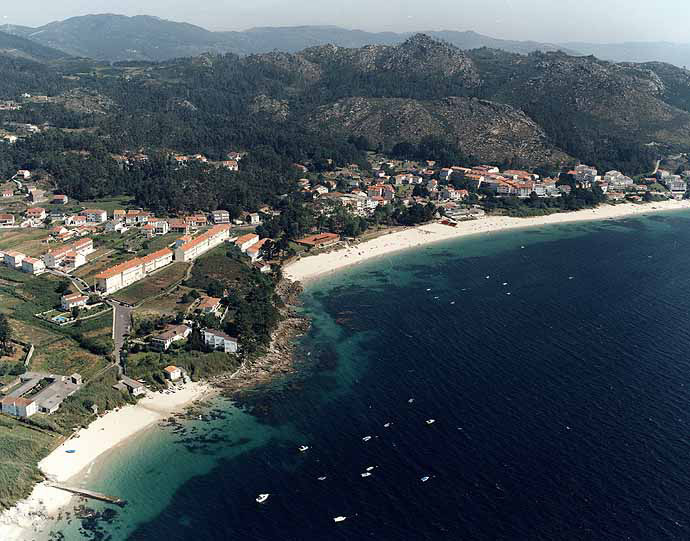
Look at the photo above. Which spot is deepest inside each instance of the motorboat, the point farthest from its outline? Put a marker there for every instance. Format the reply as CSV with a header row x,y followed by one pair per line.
x,y
262,498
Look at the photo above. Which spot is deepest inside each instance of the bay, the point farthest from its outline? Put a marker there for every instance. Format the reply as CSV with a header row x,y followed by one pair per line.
x,y
553,361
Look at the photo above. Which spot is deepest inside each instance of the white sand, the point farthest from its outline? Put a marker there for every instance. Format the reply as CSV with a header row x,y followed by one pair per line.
x,y
310,267
103,434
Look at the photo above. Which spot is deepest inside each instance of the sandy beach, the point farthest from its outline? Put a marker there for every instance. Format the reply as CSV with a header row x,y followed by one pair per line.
x,y
104,434
311,267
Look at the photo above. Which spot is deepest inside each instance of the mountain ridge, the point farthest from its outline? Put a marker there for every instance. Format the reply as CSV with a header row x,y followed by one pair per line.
x,y
125,36
146,37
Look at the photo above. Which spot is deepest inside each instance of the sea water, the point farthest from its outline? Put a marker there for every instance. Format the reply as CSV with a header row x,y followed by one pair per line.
x,y
554,362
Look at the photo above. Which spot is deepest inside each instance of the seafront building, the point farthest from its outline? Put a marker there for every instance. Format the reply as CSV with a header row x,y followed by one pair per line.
x,y
38,392
173,333
220,341
247,241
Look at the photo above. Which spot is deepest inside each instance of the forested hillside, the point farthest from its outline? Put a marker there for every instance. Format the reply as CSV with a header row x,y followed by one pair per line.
x,y
330,103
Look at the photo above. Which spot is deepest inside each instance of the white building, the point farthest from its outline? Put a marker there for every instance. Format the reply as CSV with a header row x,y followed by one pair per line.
x,y
120,276
115,227
254,252
13,259
157,260
74,260
75,252
221,217
95,215
172,373
161,227
131,271
19,407
74,300
220,341
192,249
32,265
172,334
247,241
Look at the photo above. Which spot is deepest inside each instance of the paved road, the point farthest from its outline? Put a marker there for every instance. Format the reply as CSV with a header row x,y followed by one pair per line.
x,y
80,284
122,320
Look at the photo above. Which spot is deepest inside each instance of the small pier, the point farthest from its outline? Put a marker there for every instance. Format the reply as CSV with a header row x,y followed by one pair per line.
x,y
90,494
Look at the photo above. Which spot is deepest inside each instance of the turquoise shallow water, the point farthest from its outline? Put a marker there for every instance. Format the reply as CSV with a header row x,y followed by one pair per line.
x,y
553,361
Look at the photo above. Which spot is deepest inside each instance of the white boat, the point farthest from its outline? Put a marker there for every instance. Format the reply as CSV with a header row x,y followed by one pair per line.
x,y
366,438
430,421
410,401
322,478
303,448
339,519
424,479
365,474
262,498
386,425
370,468
505,283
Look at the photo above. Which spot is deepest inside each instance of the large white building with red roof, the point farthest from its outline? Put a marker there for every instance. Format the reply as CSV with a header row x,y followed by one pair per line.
x,y
191,249
125,274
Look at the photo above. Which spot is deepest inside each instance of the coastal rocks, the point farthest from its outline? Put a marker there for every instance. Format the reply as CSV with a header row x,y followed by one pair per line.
x,y
278,359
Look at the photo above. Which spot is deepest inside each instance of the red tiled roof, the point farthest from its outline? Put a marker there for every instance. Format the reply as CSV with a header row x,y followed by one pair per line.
x,y
122,267
202,238
156,255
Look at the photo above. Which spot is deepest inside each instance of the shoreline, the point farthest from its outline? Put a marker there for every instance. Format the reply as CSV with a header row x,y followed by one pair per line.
x,y
312,267
115,428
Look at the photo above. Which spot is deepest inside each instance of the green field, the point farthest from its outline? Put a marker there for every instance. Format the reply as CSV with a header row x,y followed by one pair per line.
x,y
21,448
108,204
26,240
169,304
153,285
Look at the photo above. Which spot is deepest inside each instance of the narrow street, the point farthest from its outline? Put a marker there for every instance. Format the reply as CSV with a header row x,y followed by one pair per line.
x,y
122,321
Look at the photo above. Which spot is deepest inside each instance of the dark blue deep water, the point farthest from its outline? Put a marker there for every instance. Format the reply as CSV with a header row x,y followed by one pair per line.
x,y
561,401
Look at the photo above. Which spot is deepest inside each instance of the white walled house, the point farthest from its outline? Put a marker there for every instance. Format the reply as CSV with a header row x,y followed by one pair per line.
x,y
19,407
32,265
74,300
221,217
95,215
246,241
172,373
13,259
220,341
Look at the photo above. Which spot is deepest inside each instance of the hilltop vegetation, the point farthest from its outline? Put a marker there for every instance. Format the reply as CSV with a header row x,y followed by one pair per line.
x,y
330,103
